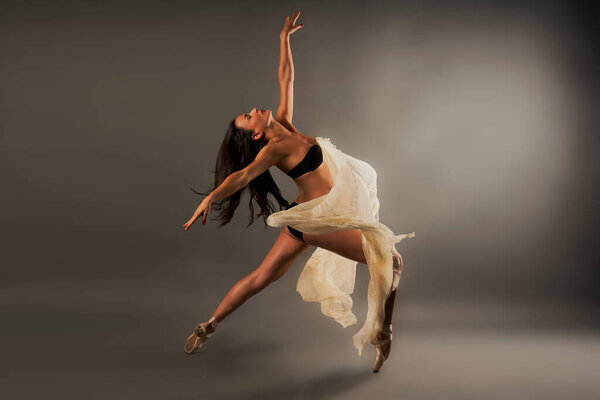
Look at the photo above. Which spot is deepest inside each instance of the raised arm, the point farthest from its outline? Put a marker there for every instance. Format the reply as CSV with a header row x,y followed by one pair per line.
x,y
286,70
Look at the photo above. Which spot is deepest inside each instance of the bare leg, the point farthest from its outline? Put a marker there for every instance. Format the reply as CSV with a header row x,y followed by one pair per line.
x,y
279,259
389,307
281,256
389,304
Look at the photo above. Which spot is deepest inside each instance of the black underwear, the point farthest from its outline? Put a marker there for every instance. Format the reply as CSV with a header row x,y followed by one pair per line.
x,y
294,231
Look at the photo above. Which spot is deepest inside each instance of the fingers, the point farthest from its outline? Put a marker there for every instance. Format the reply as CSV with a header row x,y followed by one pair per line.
x,y
202,209
293,18
290,21
187,225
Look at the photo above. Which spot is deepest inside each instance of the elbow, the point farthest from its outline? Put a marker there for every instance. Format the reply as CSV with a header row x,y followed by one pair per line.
x,y
243,179
286,76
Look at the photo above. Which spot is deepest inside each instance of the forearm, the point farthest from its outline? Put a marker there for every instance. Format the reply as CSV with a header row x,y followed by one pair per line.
x,y
234,182
286,63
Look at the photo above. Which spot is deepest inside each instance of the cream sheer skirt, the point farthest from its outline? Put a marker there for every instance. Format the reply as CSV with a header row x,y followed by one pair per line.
x,y
328,278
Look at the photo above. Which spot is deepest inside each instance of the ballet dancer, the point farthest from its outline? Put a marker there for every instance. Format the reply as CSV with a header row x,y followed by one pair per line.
x,y
336,211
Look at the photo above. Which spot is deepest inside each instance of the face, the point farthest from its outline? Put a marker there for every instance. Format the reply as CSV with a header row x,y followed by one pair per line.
x,y
256,121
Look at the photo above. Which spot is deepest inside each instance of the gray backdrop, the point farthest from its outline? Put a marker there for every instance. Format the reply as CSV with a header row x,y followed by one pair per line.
x,y
478,117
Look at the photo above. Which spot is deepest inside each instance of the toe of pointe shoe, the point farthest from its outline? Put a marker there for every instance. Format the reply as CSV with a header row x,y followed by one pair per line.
x,y
380,357
196,339
194,342
379,360
191,344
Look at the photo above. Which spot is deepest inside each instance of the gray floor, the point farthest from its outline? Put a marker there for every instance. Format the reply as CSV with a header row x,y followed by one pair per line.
x,y
126,343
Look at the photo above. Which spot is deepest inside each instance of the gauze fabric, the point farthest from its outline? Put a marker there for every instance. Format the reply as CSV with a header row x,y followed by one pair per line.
x,y
328,278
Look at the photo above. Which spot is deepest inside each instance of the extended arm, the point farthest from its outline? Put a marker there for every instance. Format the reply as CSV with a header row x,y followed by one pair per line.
x,y
286,63
286,70
286,82
234,182
266,157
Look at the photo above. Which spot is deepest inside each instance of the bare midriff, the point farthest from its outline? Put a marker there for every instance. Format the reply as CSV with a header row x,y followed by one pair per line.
x,y
314,184
311,184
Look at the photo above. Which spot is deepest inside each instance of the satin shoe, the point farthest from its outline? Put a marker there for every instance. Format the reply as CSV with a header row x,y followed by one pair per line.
x,y
380,358
200,335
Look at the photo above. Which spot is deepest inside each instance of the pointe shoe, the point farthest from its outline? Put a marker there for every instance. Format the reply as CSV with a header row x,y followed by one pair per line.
x,y
380,357
200,335
386,329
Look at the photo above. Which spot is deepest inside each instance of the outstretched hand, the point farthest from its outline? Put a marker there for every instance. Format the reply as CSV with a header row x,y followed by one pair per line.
x,y
289,26
203,209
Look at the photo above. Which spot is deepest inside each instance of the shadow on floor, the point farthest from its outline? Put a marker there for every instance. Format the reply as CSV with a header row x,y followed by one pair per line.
x,y
321,387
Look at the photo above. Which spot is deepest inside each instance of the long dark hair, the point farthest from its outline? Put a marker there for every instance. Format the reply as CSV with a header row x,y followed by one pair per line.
x,y
238,149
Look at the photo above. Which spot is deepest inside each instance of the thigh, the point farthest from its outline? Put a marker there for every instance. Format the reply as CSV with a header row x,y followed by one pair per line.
x,y
281,256
345,243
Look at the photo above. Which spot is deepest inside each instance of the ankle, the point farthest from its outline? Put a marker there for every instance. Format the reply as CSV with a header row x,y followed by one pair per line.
x,y
211,324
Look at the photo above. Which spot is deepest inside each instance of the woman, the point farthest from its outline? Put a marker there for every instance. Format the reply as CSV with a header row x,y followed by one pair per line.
x,y
336,211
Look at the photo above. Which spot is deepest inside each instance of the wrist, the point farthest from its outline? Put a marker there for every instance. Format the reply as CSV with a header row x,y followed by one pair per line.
x,y
284,36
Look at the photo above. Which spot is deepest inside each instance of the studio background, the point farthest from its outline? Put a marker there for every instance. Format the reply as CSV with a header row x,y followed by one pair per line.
x,y
480,119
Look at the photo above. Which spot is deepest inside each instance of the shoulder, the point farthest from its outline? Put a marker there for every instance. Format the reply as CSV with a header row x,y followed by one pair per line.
x,y
273,150
286,123
277,145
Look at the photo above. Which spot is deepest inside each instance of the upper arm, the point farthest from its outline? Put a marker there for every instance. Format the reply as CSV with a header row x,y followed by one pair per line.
x,y
265,159
286,100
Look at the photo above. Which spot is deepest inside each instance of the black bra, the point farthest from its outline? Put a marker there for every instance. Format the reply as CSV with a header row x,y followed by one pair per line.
x,y
311,161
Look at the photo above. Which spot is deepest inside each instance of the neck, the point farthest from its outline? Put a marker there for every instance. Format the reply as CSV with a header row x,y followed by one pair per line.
x,y
275,129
